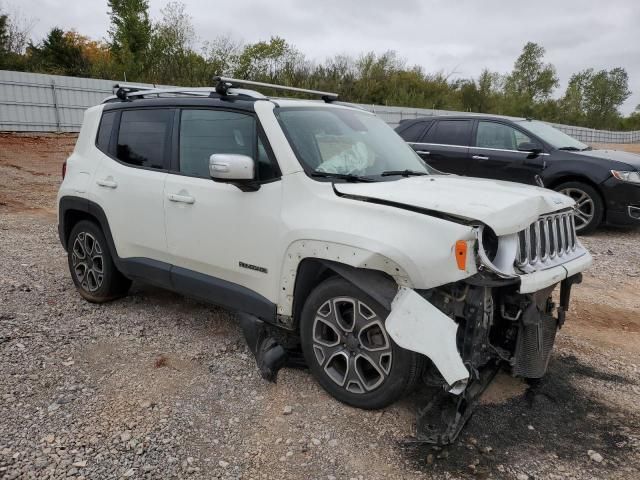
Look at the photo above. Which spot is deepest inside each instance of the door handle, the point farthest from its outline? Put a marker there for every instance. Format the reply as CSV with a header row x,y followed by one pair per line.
x,y
423,152
174,197
480,157
107,183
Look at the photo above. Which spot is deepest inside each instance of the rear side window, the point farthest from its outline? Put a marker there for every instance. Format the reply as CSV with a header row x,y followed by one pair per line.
x,y
413,133
450,132
143,137
104,131
205,132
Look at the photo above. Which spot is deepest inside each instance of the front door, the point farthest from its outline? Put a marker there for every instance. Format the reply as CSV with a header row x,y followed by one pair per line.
x,y
221,240
495,154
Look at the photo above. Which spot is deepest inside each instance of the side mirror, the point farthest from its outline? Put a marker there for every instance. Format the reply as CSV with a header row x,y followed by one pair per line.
x,y
530,147
238,170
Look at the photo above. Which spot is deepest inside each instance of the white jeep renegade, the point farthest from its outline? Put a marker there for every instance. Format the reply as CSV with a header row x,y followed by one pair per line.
x,y
328,234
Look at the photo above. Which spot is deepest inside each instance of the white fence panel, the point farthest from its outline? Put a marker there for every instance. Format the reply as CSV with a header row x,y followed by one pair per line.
x,y
34,102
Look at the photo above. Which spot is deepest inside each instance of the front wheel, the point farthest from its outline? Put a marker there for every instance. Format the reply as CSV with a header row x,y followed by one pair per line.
x,y
348,349
91,265
589,205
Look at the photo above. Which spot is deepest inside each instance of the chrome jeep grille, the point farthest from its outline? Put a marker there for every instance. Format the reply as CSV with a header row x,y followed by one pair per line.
x,y
547,241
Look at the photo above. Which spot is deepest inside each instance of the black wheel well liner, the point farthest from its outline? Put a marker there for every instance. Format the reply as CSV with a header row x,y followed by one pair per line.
x,y
74,209
313,271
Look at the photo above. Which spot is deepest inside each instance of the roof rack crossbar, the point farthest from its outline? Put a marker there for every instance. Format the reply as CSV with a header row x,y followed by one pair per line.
x,y
124,92
127,92
224,83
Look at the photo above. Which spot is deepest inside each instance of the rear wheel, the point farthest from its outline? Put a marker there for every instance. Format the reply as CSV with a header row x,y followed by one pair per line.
x,y
91,265
589,205
348,349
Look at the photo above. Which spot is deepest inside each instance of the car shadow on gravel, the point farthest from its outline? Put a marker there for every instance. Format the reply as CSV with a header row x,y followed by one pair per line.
x,y
555,420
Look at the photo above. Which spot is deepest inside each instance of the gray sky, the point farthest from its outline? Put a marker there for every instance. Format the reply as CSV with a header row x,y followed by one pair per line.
x,y
452,36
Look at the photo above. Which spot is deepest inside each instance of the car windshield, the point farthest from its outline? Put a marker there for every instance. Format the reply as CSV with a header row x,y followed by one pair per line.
x,y
553,136
343,143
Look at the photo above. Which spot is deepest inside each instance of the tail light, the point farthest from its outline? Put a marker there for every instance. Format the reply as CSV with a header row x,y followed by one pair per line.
x,y
64,169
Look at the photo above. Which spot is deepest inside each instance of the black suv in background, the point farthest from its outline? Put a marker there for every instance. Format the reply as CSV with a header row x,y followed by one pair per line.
x,y
604,183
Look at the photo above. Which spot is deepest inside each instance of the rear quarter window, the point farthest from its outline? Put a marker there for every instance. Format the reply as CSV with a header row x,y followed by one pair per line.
x,y
414,132
104,131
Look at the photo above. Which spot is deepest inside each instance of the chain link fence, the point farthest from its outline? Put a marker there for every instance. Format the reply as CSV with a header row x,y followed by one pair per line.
x,y
33,102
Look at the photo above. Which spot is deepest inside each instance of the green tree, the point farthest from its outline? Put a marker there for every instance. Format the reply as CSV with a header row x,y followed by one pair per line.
x,y
130,35
604,95
14,32
58,54
593,98
4,35
632,122
171,49
267,61
531,81
222,55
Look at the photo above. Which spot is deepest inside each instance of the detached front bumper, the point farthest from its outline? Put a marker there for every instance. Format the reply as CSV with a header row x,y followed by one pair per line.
x,y
535,281
417,325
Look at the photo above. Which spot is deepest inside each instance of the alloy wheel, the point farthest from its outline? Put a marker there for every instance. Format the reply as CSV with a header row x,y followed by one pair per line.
x,y
585,208
87,261
351,344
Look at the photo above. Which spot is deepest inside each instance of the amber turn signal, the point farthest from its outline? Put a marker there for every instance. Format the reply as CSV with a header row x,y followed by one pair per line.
x,y
461,254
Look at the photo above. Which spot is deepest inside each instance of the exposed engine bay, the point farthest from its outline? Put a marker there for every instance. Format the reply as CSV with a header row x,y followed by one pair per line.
x,y
497,328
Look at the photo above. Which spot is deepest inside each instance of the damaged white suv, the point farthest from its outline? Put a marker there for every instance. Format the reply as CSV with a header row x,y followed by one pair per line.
x,y
328,233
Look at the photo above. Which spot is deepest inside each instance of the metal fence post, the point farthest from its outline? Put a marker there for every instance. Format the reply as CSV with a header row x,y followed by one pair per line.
x,y
54,94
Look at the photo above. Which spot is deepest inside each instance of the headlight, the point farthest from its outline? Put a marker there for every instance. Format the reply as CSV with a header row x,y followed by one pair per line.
x,y
497,253
633,177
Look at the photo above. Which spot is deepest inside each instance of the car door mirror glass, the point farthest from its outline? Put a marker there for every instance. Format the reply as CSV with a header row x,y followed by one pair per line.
x,y
231,167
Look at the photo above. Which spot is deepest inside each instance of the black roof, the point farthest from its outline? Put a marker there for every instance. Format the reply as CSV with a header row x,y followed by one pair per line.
x,y
460,116
238,103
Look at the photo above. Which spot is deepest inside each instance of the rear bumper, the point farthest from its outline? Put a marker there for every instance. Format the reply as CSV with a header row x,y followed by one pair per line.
x,y
532,282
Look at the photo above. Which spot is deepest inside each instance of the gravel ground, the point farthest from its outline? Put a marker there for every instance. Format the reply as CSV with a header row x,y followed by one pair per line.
x,y
158,386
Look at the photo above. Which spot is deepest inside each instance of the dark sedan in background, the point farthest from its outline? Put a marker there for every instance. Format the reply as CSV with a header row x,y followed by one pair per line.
x,y
604,183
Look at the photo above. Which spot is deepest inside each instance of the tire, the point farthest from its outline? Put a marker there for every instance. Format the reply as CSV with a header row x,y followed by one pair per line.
x,y
91,265
590,207
353,358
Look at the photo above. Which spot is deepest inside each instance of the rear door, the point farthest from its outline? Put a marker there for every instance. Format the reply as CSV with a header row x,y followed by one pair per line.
x,y
495,153
135,146
445,145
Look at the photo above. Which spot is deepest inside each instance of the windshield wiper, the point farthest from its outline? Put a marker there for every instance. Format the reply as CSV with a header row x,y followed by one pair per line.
x,y
403,173
349,177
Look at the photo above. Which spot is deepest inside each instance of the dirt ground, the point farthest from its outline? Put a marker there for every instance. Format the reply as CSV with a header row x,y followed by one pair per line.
x,y
158,386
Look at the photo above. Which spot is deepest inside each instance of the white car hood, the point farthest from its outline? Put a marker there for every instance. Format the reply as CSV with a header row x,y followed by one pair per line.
x,y
506,207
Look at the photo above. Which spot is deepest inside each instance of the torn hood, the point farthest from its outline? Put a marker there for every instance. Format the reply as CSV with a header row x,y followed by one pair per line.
x,y
504,206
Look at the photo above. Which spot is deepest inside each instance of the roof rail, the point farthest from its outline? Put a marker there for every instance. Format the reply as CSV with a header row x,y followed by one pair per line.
x,y
224,84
